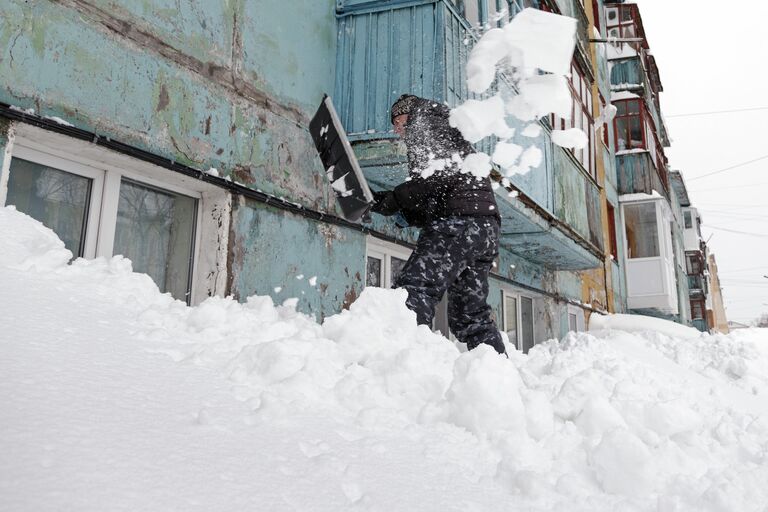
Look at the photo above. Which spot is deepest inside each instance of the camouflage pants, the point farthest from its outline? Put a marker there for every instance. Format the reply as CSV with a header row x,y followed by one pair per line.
x,y
455,255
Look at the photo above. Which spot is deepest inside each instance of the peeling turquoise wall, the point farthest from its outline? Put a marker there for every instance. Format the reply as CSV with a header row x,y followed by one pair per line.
x,y
229,85
202,83
277,249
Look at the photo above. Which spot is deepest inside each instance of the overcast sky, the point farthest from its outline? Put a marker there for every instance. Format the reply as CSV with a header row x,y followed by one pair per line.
x,y
712,56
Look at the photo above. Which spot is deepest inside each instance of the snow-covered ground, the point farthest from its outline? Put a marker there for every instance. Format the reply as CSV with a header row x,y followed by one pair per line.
x,y
115,397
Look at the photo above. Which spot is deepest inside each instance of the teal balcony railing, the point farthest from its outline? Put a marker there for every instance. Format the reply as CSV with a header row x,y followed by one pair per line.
x,y
386,49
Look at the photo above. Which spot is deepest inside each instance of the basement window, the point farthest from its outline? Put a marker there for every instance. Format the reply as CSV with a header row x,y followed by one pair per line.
x,y
101,203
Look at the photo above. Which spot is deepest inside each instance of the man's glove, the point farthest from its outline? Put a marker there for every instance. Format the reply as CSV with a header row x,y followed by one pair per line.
x,y
385,203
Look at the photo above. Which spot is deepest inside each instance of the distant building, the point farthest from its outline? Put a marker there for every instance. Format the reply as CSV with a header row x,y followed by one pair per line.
x,y
651,222
716,316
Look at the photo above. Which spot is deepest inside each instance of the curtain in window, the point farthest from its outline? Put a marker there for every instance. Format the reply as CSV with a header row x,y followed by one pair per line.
x,y
155,230
58,199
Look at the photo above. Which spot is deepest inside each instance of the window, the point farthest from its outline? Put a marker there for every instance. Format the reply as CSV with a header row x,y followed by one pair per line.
x,y
518,320
628,125
612,232
385,260
58,199
101,203
641,230
511,318
694,264
620,21
697,309
470,9
526,323
156,230
604,126
688,220
581,117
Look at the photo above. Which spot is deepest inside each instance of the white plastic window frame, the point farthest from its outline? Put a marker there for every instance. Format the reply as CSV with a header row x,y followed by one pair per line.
x,y
579,314
384,251
107,169
518,296
505,296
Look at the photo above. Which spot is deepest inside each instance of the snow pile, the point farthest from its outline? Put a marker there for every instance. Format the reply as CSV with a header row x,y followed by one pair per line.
x,y
118,397
641,323
535,48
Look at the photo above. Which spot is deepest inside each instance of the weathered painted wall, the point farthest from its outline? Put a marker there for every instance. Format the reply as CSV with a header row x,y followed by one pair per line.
x,y
202,83
229,85
277,253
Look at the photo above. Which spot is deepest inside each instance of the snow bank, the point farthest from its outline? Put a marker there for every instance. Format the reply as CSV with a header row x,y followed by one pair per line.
x,y
118,397
640,323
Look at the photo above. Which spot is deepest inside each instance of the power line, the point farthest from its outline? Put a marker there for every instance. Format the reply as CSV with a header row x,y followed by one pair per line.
x,y
758,235
727,188
761,267
736,206
750,109
729,168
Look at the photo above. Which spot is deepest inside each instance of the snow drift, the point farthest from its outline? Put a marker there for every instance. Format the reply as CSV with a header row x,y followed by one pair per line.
x,y
118,397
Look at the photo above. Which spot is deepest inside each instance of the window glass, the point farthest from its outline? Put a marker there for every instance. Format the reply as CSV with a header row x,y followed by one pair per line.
x,y
470,10
642,231
626,14
612,232
510,318
635,133
373,272
396,265
58,199
633,107
612,14
688,221
621,133
155,230
526,323
572,323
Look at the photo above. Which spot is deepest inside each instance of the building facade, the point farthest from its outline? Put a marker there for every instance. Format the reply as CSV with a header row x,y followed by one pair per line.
x,y
651,213
175,133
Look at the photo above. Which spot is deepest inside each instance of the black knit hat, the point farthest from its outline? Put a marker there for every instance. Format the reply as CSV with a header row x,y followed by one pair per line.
x,y
403,105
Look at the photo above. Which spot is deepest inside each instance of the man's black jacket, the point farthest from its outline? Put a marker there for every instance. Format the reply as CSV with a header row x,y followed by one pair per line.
x,y
447,192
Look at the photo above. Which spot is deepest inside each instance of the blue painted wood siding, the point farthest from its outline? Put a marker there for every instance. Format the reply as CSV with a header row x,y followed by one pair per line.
x,y
422,48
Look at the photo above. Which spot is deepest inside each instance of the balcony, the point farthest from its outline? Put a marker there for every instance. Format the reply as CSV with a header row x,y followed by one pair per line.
x,y
637,173
696,285
421,47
